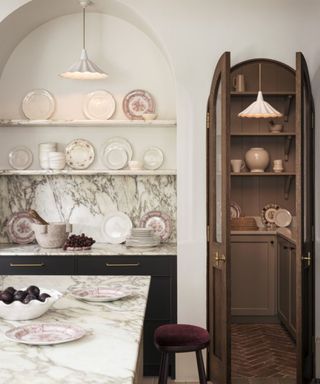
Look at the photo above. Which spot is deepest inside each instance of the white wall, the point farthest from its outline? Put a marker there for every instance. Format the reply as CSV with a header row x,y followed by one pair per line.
x,y
194,34
130,58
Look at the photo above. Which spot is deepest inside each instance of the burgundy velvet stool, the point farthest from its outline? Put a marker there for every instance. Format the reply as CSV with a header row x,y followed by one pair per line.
x,y
176,338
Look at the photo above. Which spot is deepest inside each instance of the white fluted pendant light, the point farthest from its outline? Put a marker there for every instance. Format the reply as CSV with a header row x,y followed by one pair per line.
x,y
84,69
260,108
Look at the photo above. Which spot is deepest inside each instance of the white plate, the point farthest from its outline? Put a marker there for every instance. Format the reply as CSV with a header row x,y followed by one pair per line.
x,y
152,158
119,142
38,104
116,227
99,294
282,218
20,157
45,334
235,210
79,154
115,157
99,105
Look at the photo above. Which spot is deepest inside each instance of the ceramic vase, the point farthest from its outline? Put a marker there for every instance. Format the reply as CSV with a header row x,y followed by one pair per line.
x,y
257,159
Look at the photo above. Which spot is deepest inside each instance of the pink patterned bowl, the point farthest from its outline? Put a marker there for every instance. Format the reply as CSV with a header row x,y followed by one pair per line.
x,y
35,308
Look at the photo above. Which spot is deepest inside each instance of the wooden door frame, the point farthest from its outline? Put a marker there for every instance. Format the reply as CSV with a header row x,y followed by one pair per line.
x,y
219,368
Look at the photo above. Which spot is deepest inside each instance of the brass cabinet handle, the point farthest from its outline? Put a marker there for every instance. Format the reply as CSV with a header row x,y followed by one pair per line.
x,y
27,265
122,265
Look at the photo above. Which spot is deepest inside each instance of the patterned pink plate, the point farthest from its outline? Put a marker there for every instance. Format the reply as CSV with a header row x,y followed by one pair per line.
x,y
99,294
136,103
19,228
45,334
158,221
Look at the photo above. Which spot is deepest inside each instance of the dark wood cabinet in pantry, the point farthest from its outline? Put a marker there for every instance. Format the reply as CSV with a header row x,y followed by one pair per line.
x,y
287,285
162,300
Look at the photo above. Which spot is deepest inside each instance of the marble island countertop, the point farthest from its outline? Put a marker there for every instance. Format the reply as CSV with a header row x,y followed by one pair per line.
x,y
98,249
108,354
286,233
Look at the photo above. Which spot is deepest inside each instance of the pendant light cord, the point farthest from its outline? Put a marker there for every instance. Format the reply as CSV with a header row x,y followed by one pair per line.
x,y
84,27
259,76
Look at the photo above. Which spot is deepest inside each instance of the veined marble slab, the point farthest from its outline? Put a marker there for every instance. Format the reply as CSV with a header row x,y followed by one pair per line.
x,y
84,201
106,355
97,250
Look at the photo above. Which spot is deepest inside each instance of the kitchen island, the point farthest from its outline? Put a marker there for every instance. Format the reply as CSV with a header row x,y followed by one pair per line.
x,y
110,352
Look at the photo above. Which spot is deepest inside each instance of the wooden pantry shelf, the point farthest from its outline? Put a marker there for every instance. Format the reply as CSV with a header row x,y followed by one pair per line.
x,y
263,174
234,93
87,123
269,134
87,172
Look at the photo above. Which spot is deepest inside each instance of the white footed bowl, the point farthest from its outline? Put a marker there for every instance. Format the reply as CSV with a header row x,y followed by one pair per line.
x,y
35,308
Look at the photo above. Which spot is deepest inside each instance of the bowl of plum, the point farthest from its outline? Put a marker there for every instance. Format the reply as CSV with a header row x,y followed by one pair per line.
x,y
26,303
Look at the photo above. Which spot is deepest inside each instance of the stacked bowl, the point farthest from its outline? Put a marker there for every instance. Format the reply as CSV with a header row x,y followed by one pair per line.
x,y
142,237
44,150
57,160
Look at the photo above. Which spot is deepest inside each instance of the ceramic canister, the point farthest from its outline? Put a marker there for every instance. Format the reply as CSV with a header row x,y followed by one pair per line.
x,y
257,159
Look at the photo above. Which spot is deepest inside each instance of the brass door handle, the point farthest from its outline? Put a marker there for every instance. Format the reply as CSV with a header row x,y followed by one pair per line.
x,y
219,257
122,265
27,265
307,259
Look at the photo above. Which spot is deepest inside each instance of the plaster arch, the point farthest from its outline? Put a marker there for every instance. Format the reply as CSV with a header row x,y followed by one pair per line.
x,y
30,14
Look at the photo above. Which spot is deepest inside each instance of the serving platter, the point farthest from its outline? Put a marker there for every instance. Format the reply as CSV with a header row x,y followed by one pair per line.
x,y
159,221
38,104
45,334
19,228
20,157
137,103
99,294
153,158
99,105
116,227
282,218
79,154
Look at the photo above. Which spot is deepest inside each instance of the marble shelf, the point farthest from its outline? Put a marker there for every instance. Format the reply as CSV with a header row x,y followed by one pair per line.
x,y
87,123
99,249
108,353
86,172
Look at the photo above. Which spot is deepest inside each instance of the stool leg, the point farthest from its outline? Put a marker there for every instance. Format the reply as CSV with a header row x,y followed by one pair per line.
x,y
202,373
164,368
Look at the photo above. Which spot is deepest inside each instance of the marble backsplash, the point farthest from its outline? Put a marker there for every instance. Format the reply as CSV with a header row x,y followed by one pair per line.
x,y
84,201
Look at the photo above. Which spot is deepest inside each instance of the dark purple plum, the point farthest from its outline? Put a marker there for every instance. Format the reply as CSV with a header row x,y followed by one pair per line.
x,y
6,297
20,295
10,290
43,297
33,290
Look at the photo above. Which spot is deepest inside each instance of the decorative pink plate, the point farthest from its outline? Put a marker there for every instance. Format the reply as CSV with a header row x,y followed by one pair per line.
x,y
99,294
136,103
45,334
158,221
19,228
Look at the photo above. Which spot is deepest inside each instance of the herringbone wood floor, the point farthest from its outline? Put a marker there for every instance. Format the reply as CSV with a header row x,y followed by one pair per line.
x,y
262,351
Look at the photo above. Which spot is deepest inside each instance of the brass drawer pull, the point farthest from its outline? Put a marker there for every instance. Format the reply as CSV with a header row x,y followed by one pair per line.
x,y
122,265
27,265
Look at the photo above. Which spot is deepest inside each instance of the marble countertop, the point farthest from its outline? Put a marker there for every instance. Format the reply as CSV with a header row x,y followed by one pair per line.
x,y
286,233
98,249
106,355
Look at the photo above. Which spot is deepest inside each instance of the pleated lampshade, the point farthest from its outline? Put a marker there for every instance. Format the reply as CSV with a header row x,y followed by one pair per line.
x,y
260,108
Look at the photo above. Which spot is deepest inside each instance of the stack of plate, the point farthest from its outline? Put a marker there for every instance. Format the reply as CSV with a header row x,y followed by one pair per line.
x,y
142,237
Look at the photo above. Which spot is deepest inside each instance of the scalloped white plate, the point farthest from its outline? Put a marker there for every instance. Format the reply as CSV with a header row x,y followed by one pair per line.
x,y
116,227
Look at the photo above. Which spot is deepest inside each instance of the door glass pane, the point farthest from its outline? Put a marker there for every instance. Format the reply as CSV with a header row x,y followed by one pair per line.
x,y
218,168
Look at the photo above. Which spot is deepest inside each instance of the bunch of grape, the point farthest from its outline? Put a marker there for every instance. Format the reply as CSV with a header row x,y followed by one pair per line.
x,y
11,294
78,241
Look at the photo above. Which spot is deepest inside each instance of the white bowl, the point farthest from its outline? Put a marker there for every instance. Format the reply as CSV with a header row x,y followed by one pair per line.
x,y
149,116
35,308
